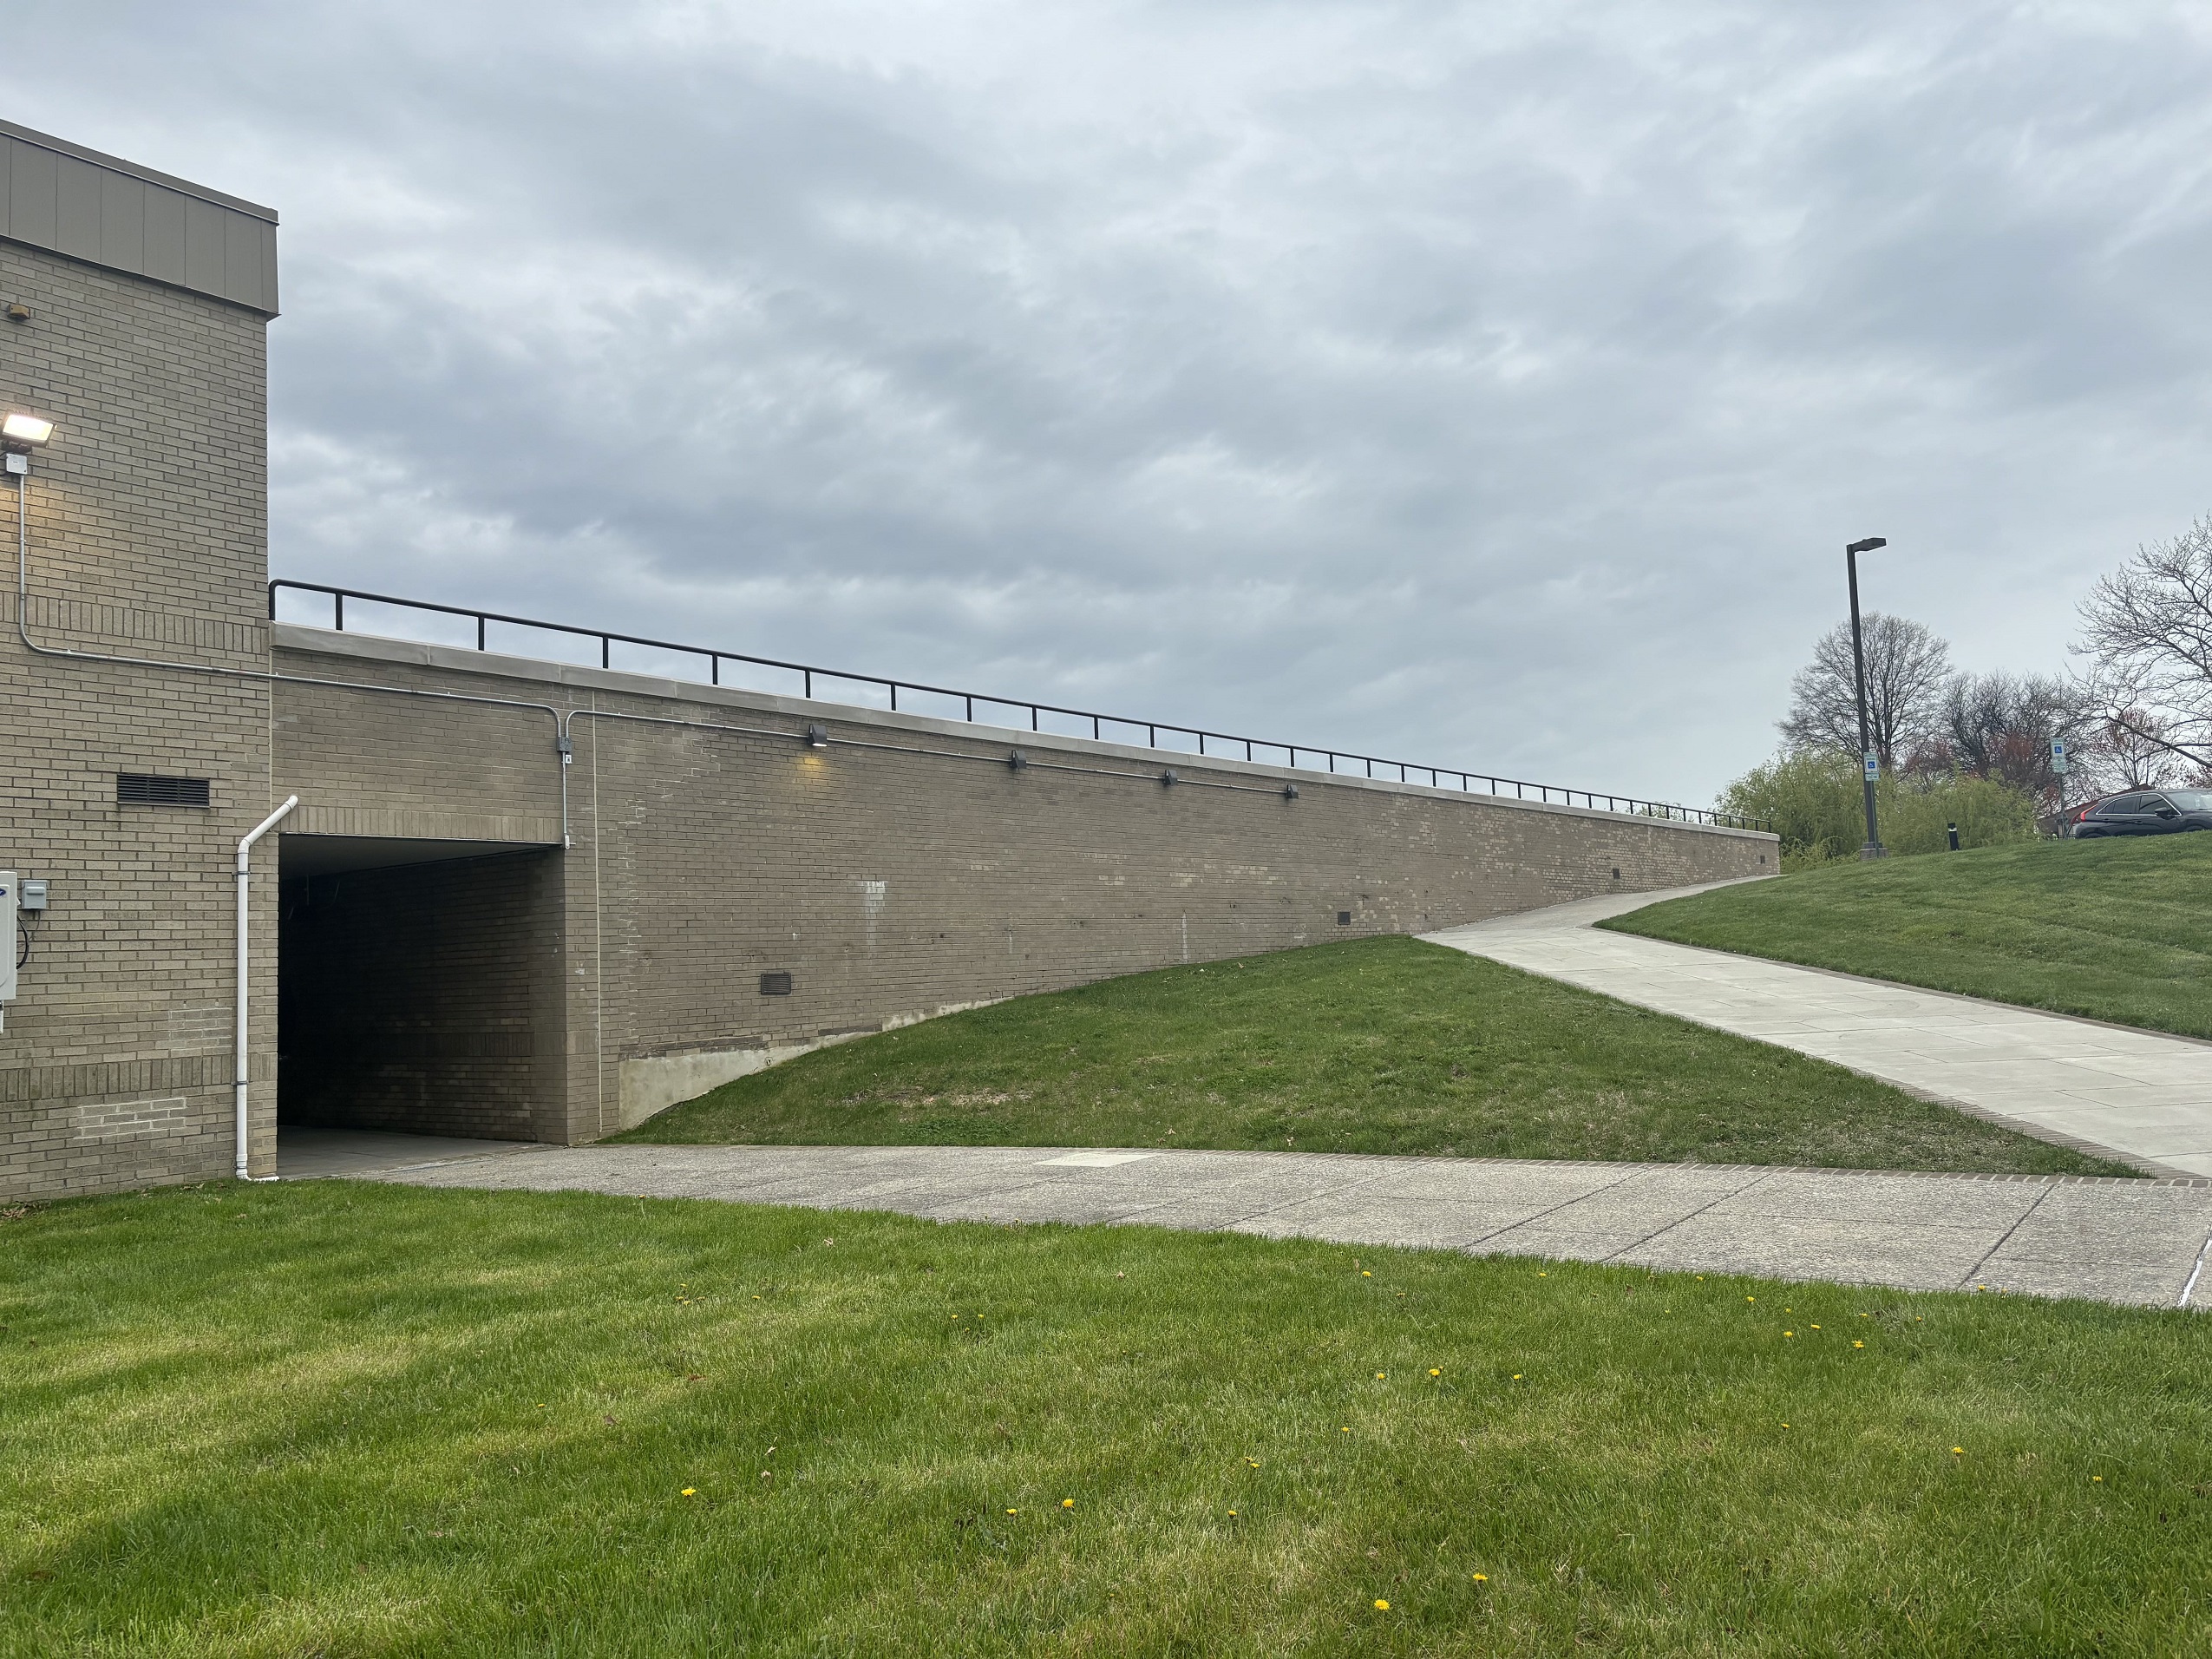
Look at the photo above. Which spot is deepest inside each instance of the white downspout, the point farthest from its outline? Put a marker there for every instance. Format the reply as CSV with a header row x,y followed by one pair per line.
x,y
244,869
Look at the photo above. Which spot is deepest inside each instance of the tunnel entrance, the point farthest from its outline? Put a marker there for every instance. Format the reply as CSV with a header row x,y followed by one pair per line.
x,y
419,987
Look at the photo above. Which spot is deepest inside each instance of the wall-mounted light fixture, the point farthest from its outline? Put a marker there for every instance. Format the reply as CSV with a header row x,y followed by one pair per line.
x,y
817,736
1018,762
1169,780
18,432
1290,791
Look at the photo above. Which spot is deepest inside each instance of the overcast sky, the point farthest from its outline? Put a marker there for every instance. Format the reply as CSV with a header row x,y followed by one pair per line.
x,y
1487,385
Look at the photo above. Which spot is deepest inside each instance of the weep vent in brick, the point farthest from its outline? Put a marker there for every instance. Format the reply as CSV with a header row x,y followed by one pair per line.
x,y
143,789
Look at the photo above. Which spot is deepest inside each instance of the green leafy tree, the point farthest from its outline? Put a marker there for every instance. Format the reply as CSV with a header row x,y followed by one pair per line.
x,y
1814,801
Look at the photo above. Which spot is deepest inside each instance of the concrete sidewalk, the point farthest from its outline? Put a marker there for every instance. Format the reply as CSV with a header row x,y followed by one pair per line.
x,y
2120,1240
2136,1095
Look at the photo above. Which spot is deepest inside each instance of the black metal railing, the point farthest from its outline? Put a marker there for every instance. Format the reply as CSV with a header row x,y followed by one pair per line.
x,y
1103,727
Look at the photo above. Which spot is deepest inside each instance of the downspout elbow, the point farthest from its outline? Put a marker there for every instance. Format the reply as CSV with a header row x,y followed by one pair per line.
x,y
241,1045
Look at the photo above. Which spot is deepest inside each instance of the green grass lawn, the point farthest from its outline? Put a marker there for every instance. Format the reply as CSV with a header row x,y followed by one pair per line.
x,y
343,1419
2113,929
1373,1046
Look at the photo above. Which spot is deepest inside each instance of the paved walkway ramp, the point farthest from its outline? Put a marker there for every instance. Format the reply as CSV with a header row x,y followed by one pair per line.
x,y
2137,1241
2143,1096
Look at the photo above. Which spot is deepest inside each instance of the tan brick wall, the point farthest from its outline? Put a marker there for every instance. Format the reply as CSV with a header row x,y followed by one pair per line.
x,y
907,868
147,538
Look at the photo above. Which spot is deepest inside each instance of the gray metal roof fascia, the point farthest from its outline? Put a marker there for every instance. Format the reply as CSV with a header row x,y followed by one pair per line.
x,y
116,164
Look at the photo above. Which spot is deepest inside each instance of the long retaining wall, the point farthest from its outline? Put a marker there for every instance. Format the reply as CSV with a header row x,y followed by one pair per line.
x,y
909,867
448,939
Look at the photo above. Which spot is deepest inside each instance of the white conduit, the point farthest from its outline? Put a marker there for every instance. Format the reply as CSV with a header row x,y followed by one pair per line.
x,y
245,967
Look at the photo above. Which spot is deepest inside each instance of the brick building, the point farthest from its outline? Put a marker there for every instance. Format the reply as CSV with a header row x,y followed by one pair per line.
x,y
516,898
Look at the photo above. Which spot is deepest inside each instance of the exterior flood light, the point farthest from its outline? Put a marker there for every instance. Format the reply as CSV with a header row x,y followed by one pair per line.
x,y
817,736
20,428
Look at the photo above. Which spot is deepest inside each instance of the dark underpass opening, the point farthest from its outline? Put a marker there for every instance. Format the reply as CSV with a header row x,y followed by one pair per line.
x,y
419,987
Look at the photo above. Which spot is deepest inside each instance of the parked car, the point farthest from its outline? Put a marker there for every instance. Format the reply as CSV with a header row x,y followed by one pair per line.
x,y
2145,812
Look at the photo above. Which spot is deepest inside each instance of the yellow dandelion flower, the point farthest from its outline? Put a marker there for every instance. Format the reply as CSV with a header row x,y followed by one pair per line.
x,y
1378,1376
1252,1463
1482,1578
1232,1515
2098,1479
1785,1426
1958,1451
1346,1429
1013,1511
1365,1274
691,1492
1067,1502
1382,1606
1815,1327
1858,1345
1434,1372
1788,1333
1516,1376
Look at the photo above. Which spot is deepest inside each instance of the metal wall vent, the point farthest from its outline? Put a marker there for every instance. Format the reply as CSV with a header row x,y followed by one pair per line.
x,y
776,984
143,789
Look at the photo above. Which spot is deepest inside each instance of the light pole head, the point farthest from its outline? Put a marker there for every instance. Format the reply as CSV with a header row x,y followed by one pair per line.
x,y
1868,545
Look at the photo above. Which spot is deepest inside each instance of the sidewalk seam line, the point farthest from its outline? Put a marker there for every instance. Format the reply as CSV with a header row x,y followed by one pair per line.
x,y
1749,1186
2006,1238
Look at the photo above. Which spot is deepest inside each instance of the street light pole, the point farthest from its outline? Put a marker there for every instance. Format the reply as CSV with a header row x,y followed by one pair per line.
x,y
1869,763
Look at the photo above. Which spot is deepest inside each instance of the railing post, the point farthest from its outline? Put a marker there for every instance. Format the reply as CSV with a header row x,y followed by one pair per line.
x,y
606,651
480,630
337,606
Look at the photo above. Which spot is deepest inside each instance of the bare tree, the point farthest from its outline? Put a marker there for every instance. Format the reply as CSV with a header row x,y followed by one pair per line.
x,y
2129,751
2147,630
2000,726
1907,670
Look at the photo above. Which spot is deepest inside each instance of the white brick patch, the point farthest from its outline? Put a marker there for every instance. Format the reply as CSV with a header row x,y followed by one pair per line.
x,y
130,1119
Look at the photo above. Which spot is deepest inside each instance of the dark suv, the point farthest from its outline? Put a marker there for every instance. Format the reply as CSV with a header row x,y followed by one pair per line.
x,y
2147,812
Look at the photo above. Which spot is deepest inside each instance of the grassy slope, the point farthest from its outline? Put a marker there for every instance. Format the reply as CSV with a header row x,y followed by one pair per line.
x,y
337,1419
2113,929
1375,1046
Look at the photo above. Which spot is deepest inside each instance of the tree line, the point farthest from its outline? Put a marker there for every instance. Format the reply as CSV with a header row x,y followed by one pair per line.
x,y
2134,710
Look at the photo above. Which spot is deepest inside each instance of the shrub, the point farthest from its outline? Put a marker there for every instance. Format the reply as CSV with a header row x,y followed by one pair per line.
x,y
1814,803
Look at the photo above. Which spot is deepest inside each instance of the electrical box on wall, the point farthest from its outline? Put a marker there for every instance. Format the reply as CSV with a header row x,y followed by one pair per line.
x,y
11,944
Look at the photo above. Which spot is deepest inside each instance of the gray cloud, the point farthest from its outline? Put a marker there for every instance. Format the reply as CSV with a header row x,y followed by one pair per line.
x,y
1493,386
